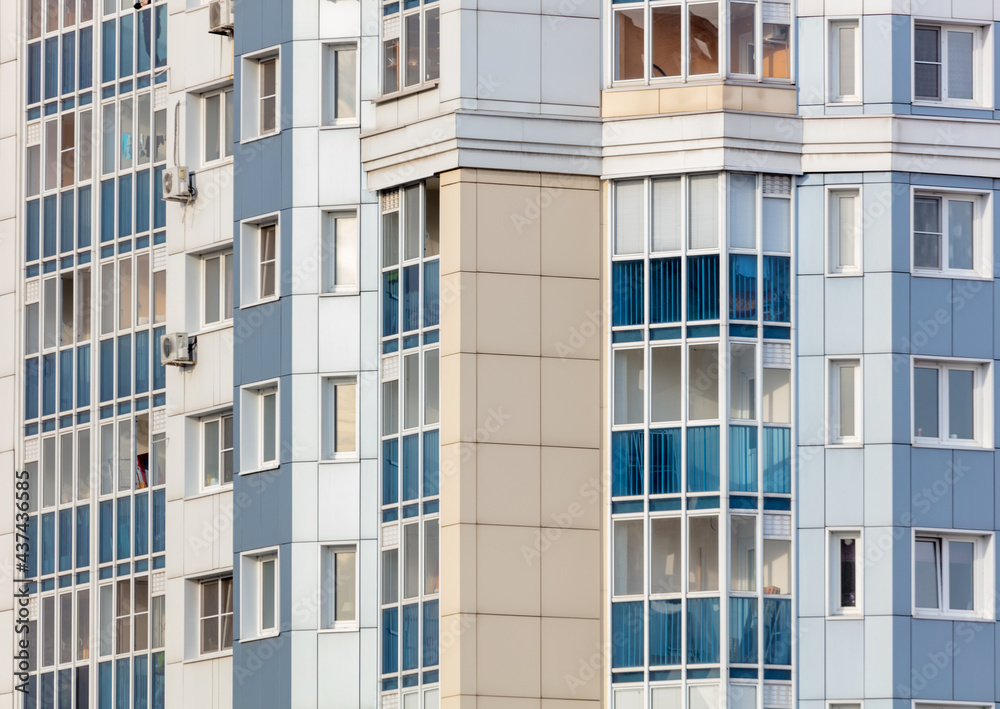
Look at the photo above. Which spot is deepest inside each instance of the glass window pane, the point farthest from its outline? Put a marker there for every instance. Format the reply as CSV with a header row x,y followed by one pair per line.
x,y
346,405
65,468
345,255
412,240
431,556
961,404
703,212
267,595
630,41
777,59
346,83
777,224
665,574
961,576
777,566
629,698
666,397
961,72
390,576
845,255
390,407
431,387
743,206
390,66
411,32
847,548
846,55
629,386
212,292
160,134
667,212
630,216
960,242
411,391
704,38
743,553
124,294
925,402
666,42
703,382
411,560
142,290
212,140
925,573
848,403
628,557
925,44
743,381
143,138
666,697
270,427
777,396
741,38
432,44
345,586
83,624
211,453
703,553
83,464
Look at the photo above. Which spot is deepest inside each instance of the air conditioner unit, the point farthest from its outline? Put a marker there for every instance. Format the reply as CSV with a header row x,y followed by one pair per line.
x,y
175,349
221,17
176,186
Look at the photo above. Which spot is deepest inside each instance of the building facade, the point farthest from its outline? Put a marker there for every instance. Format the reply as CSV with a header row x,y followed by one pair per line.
x,y
539,353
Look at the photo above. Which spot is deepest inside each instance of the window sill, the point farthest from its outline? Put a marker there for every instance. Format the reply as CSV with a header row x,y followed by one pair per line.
x,y
941,615
859,615
265,301
209,491
403,93
845,102
353,628
846,274
340,126
949,104
849,444
949,444
256,638
352,458
263,469
951,275
339,293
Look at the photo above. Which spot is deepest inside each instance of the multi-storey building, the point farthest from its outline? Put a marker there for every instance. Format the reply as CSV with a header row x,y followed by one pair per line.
x,y
632,353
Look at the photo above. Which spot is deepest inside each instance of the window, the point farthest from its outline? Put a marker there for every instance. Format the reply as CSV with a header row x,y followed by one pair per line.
x,y
628,552
258,264
216,615
123,636
340,85
952,403
846,572
218,269
218,125
268,262
845,402
260,115
845,61
340,253
268,96
259,428
338,588
260,586
947,64
217,437
411,44
948,235
682,40
340,410
845,232
952,574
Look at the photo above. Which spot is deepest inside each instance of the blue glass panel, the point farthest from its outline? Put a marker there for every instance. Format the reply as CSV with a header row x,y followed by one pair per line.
x,y
86,57
140,669
31,224
411,298
122,677
411,511
125,47
703,330
48,384
104,686
432,677
142,362
390,471
106,512
107,370
743,458
144,33
620,336
69,63
777,631
665,290
47,690
83,222
66,539
141,524
48,544
627,507
159,370
159,206
665,632
778,504
142,201
390,515
65,380
743,631
32,547
124,527
411,680
108,59
703,287
50,227
781,675
432,507
430,633
743,673
390,641
159,686
159,520
31,389
160,46
742,287
664,461
411,341
626,635
431,458
34,87
703,458
742,502
710,673
743,331
51,67
390,9
626,677
671,504
777,288
432,337
124,204
775,332
703,631
777,460
107,211
82,536
432,287
708,502
665,676
411,467
626,293
626,463
390,303
124,365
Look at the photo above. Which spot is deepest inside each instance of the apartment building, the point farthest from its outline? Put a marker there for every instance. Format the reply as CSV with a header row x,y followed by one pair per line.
x,y
538,353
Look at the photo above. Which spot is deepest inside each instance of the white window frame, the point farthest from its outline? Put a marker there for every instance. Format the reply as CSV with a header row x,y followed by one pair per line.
x,y
225,258
328,599
218,616
833,197
834,535
984,573
250,261
330,88
252,424
220,418
250,109
833,60
982,225
982,403
400,15
328,434
328,250
834,365
982,80
225,141
251,596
